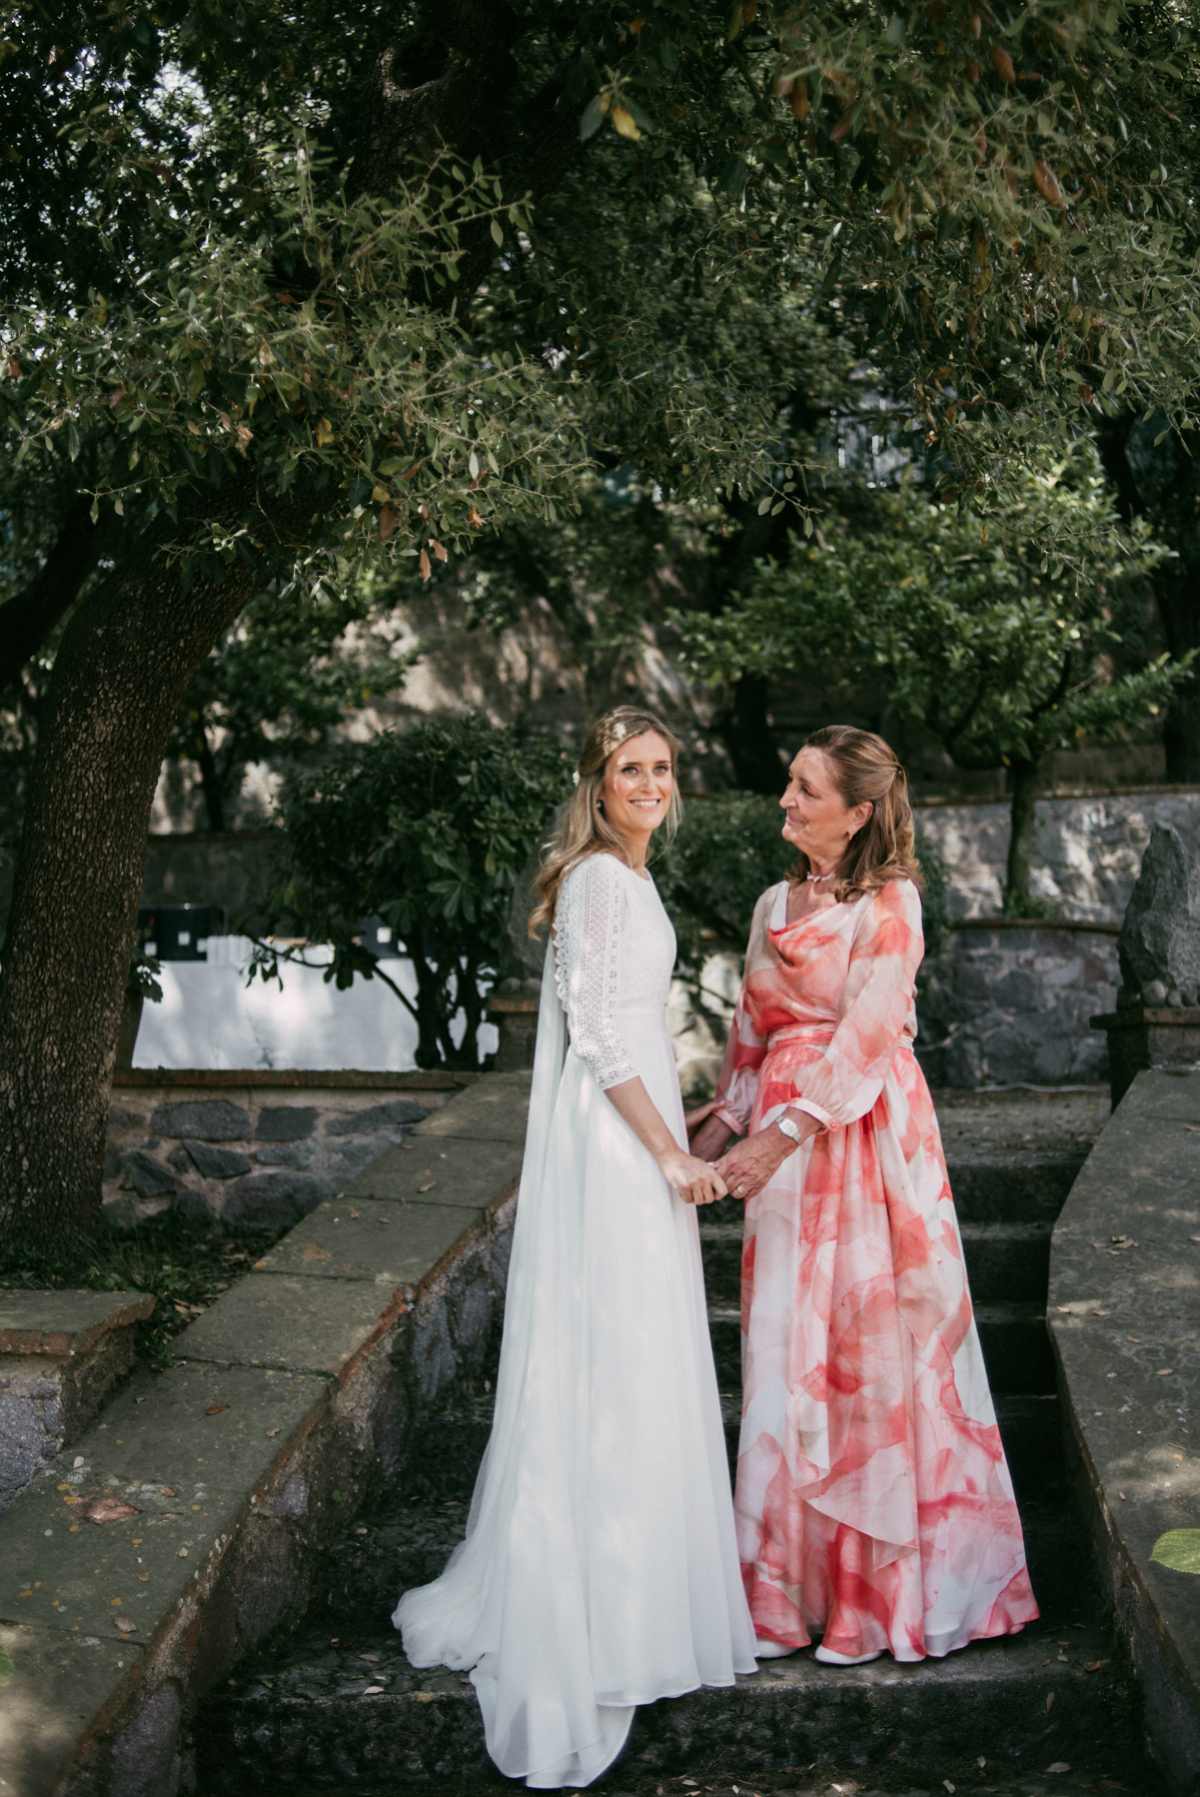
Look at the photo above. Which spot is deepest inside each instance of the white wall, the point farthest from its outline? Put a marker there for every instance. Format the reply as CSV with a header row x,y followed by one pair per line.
x,y
210,1017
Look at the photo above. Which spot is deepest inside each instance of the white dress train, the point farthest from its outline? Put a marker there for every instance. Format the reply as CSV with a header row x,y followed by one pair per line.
x,y
600,1566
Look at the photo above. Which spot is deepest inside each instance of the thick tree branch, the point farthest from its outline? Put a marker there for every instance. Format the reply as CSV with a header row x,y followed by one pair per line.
x,y
27,620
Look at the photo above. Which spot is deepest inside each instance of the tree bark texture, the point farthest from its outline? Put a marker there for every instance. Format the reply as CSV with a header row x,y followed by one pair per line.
x,y
126,660
131,651
1022,777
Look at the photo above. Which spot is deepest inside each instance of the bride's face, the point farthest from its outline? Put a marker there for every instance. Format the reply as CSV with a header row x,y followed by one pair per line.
x,y
638,783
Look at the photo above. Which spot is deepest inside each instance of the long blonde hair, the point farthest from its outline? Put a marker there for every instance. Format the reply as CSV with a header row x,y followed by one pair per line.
x,y
583,829
865,768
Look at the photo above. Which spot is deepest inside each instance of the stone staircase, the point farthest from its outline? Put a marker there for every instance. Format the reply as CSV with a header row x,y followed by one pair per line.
x,y
337,1707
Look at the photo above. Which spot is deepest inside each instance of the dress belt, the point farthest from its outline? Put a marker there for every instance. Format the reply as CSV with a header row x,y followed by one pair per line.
x,y
819,1034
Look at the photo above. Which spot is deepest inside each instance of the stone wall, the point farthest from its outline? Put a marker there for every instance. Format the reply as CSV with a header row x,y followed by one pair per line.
x,y
1007,1003
248,1150
1086,851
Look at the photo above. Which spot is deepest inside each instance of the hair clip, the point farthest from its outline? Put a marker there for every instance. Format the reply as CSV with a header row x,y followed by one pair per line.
x,y
575,778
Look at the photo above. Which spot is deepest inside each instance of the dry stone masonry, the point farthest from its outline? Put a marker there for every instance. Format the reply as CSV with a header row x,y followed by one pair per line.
x,y
254,1160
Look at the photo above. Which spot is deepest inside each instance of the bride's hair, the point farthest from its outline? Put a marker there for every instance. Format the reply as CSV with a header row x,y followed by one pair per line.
x,y
865,768
583,829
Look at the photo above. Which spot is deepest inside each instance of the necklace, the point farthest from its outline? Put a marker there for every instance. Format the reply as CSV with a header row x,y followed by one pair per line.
x,y
815,877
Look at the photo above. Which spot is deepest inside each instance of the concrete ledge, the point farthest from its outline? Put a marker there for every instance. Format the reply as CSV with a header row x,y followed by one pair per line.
x,y
1124,1301
192,1526
61,1355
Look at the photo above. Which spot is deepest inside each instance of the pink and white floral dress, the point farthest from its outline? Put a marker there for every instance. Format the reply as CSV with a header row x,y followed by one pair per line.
x,y
874,1503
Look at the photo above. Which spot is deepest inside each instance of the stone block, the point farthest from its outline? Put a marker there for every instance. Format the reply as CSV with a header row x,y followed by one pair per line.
x,y
271,1200
217,1163
425,1173
205,1119
351,1157
59,1681
121,1119
286,1154
1016,990
194,1204
396,1113
1160,935
496,1110
388,1244
285,1122
149,1178
302,1325
61,1353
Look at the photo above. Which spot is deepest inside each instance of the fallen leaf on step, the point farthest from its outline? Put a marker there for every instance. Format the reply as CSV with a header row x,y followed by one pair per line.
x,y
108,1509
429,1187
312,1252
1058,1766
946,1785
424,1696
373,1691
1049,1700
354,1214
1164,1372
126,1627
1095,1665
216,1409
271,1434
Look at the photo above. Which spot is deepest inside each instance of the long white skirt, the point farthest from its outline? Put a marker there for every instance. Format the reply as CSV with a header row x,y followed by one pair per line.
x,y
600,1568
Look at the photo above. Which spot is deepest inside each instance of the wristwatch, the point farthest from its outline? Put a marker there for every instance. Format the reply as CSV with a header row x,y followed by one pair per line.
x,y
790,1129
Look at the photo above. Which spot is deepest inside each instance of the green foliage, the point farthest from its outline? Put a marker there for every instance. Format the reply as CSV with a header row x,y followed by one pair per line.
x,y
1179,1549
430,829
279,681
727,851
986,639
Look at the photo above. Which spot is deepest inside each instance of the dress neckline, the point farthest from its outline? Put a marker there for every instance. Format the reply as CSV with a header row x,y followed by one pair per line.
x,y
646,879
785,928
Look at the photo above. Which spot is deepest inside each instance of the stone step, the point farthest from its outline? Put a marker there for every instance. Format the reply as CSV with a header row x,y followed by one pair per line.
x,y
328,1718
1027,1187
1016,1347
1006,1261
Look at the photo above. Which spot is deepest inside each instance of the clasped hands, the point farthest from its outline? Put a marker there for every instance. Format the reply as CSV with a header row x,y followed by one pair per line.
x,y
743,1169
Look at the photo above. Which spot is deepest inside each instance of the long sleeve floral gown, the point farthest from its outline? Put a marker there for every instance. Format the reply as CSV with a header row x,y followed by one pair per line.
x,y
874,1503
600,1567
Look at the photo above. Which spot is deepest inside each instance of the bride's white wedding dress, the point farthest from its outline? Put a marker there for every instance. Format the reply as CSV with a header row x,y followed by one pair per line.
x,y
600,1567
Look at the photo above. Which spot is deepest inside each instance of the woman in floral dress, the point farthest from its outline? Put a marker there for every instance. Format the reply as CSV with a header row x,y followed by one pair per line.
x,y
874,1503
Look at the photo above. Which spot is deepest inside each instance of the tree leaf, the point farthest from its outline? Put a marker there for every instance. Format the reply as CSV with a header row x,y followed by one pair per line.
x,y
1179,1549
593,115
625,123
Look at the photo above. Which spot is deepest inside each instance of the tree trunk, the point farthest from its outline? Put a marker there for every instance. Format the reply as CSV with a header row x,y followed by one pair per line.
x,y
210,781
746,732
1178,597
1022,780
125,662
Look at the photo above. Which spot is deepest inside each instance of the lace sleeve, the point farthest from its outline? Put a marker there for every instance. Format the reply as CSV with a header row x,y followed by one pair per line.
x,y
588,921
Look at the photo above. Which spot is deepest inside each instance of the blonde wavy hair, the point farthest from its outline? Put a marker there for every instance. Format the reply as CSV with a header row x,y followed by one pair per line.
x,y
865,768
583,829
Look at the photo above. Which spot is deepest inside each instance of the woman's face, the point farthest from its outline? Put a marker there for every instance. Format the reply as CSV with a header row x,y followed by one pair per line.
x,y
638,783
819,822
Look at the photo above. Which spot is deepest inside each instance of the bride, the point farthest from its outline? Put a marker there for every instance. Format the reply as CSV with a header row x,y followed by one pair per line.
x,y
600,1567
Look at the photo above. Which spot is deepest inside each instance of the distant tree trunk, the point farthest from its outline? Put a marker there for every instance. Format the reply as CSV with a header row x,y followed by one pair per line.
x,y
210,780
1178,596
1022,781
746,732
125,662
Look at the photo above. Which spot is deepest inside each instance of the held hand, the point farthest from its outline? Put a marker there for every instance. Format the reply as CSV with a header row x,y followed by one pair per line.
x,y
694,1180
708,1136
750,1164
693,1119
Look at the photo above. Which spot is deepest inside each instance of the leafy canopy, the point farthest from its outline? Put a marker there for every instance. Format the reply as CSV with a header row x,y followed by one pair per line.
x,y
429,829
1000,651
